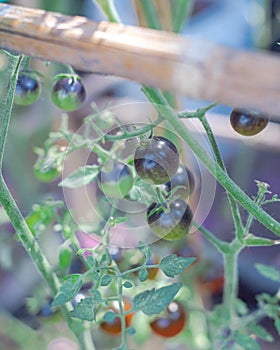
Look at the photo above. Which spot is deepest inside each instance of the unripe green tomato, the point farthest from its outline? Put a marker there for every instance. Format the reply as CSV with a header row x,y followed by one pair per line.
x,y
68,92
64,257
116,182
49,175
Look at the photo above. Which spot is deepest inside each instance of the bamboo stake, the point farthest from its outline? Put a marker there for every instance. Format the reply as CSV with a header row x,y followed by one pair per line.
x,y
188,66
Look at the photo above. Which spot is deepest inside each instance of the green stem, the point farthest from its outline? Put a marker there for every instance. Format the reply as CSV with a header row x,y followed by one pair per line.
x,y
216,242
108,8
239,229
26,237
7,104
150,14
121,306
181,13
231,280
222,177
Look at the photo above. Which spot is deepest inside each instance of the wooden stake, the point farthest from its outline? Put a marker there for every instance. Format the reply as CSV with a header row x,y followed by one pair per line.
x,y
188,66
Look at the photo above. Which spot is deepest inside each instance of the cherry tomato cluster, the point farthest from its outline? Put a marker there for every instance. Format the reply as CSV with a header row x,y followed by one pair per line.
x,y
157,161
248,123
68,91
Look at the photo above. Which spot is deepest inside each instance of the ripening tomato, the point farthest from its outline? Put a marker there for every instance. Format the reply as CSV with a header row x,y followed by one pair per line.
x,y
248,123
114,327
172,323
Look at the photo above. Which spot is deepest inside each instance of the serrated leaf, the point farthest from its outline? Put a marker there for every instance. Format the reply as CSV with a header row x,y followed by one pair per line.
x,y
106,280
81,177
241,307
268,272
246,342
85,310
109,316
127,284
172,265
277,324
91,261
145,250
119,220
68,290
254,241
131,330
260,332
96,296
143,274
154,301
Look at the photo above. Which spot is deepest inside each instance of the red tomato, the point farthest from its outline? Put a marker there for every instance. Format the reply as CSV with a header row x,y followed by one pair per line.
x,y
115,327
173,323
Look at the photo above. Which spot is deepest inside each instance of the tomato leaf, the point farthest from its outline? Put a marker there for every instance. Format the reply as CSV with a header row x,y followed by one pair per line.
x,y
246,342
143,274
68,290
85,310
127,284
154,301
109,316
106,280
172,265
131,330
260,332
268,272
277,324
255,241
81,177
145,250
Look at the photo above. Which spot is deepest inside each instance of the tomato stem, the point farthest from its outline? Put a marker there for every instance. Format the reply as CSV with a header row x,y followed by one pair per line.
x,y
108,8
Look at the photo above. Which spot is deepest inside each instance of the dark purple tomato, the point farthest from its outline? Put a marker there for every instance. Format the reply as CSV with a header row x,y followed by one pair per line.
x,y
27,89
247,123
156,160
172,224
184,180
172,323
68,92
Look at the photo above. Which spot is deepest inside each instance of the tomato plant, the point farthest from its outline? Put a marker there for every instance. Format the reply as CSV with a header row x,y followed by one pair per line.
x,y
99,265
